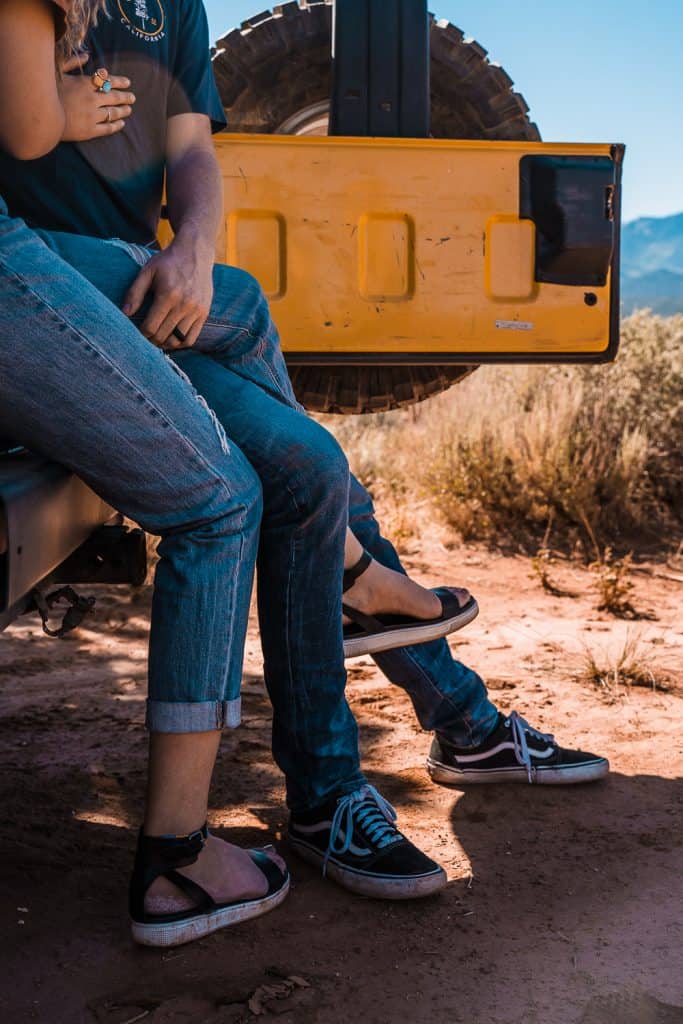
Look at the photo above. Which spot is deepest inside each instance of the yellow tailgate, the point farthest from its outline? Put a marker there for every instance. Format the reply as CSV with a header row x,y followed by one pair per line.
x,y
393,250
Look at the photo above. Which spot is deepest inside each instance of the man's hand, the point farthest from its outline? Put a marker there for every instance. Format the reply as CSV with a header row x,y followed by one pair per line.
x,y
91,114
181,280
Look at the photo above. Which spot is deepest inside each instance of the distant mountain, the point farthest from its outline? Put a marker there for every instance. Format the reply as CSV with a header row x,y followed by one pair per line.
x,y
652,264
661,291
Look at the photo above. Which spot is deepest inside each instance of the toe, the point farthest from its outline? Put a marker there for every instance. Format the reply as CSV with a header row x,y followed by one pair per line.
x,y
272,854
461,595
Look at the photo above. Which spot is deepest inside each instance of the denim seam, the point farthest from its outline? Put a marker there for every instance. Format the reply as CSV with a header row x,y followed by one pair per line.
x,y
61,319
273,378
288,615
211,322
223,324
262,339
231,640
348,787
218,426
224,349
293,727
139,254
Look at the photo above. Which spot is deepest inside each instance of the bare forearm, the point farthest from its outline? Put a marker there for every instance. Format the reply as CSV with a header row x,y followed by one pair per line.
x,y
181,277
195,199
31,114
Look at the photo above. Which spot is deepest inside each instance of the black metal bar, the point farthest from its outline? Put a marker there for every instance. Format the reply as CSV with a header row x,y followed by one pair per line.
x,y
415,70
380,82
350,73
384,92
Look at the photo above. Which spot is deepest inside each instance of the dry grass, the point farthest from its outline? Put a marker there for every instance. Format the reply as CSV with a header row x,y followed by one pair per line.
x,y
614,675
613,585
595,451
543,565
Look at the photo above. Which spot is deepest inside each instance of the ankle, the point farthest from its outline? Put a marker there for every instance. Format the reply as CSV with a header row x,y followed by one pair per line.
x,y
155,830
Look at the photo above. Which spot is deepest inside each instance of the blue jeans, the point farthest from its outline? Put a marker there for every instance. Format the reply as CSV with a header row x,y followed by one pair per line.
x,y
80,385
302,474
245,371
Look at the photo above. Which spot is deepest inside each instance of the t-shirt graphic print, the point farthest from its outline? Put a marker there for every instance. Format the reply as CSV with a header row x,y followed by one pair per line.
x,y
144,19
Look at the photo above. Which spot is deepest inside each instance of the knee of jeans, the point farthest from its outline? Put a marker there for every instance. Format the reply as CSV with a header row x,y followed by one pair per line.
x,y
235,279
321,470
241,500
234,509
251,296
251,288
252,500
254,508
261,323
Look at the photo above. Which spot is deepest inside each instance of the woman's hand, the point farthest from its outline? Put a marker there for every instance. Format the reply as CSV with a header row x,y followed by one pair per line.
x,y
91,114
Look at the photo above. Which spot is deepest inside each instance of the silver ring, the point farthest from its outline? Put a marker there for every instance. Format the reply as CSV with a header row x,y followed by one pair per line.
x,y
108,109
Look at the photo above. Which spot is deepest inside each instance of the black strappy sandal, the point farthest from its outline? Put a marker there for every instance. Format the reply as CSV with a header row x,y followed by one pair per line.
x,y
160,857
370,634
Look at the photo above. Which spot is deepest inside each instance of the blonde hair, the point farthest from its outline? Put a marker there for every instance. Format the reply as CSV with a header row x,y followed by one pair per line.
x,y
83,14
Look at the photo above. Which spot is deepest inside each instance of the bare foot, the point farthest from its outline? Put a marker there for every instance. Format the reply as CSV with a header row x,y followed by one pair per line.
x,y
225,871
383,591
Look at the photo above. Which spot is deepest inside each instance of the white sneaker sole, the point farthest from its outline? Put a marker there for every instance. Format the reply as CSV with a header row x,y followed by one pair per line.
x,y
445,775
381,887
407,636
177,933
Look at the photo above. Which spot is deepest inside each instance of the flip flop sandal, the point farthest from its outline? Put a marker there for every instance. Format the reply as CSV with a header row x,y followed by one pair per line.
x,y
370,634
160,857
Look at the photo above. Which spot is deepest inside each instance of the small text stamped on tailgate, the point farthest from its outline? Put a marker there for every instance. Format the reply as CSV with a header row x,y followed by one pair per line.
x,y
514,325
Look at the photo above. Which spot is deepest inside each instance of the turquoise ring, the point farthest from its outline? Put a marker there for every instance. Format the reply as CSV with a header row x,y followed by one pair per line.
x,y
101,80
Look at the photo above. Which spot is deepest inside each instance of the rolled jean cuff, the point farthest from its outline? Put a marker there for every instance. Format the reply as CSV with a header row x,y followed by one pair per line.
x,y
202,716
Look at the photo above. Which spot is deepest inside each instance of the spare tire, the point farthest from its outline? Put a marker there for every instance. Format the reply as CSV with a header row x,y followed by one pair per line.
x,y
274,76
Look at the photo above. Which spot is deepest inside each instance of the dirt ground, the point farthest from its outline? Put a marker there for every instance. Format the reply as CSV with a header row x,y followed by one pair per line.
x,y
563,906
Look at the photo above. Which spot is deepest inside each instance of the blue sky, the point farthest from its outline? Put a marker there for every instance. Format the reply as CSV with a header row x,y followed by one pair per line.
x,y
590,70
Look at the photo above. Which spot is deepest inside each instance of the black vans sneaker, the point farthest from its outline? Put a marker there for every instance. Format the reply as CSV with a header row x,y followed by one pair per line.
x,y
354,839
514,752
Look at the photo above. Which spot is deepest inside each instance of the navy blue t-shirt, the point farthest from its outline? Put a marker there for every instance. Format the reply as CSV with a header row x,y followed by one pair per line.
x,y
112,187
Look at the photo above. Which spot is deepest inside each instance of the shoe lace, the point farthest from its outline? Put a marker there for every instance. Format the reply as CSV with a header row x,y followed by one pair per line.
x,y
520,728
368,809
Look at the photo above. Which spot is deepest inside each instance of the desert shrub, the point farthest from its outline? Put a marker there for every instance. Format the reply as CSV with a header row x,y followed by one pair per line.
x,y
594,451
615,673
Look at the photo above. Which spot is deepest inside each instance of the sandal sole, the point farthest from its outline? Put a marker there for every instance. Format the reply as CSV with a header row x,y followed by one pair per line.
x,y
407,636
177,933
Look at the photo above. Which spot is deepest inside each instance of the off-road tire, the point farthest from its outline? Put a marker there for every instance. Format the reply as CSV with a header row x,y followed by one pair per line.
x,y
278,65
